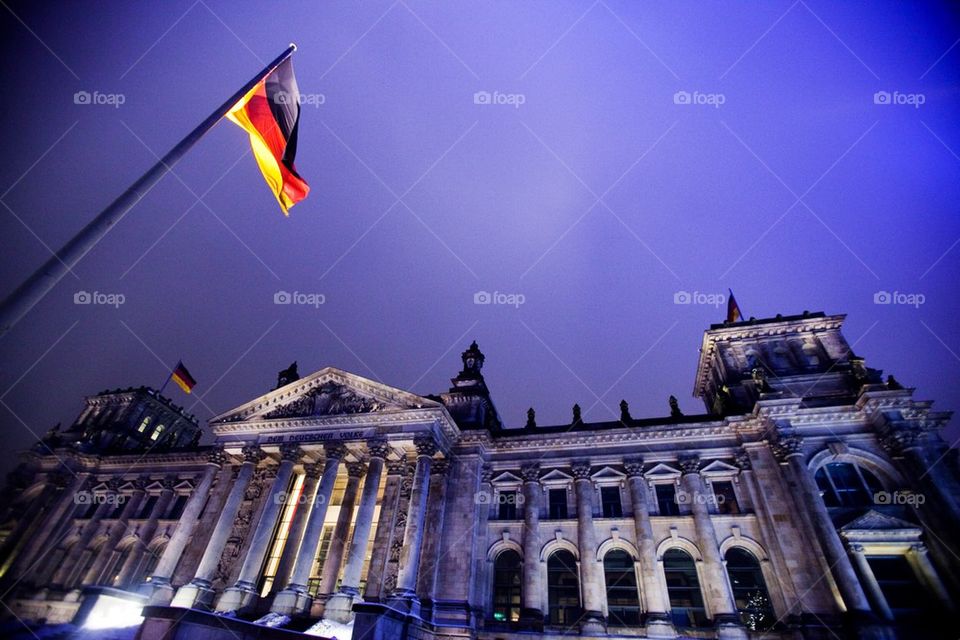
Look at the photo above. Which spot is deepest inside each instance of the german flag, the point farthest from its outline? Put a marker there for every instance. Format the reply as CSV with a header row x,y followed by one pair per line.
x,y
733,309
182,377
270,114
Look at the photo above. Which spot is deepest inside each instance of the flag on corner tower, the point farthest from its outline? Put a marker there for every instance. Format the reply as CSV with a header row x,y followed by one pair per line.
x,y
270,114
182,377
733,309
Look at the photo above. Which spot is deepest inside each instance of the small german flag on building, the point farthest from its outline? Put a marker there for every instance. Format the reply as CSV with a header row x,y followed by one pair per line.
x,y
182,377
270,114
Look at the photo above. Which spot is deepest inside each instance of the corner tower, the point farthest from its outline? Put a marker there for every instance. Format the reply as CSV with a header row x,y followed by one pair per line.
x,y
468,400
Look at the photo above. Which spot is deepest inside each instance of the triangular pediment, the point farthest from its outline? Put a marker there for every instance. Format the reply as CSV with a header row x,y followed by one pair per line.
x,y
507,478
154,486
662,470
328,392
183,486
719,468
556,477
100,487
608,473
875,521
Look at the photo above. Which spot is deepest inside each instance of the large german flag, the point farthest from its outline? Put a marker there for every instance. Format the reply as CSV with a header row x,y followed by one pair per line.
x,y
270,113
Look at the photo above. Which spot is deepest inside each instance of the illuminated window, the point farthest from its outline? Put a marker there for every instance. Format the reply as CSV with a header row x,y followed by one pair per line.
x,y
157,432
144,424
749,590
506,587
313,585
280,535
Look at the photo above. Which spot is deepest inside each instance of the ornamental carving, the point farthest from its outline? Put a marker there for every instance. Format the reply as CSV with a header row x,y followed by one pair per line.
x,y
486,473
439,467
787,446
689,464
425,446
530,472
326,400
253,453
356,469
378,448
290,452
580,470
312,471
217,456
633,467
742,460
899,439
334,450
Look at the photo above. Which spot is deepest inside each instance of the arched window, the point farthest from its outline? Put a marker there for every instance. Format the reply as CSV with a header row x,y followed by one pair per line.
x,y
846,485
749,590
563,589
507,587
683,588
149,562
623,601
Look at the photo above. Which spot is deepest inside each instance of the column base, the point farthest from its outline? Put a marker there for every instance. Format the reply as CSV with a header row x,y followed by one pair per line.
x,y
318,607
340,605
592,623
196,594
729,627
406,601
456,613
159,591
659,625
293,601
239,597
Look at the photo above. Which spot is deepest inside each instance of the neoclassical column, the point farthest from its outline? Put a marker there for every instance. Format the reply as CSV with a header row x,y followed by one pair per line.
x,y
311,480
244,593
75,554
158,587
920,559
869,581
405,594
656,617
338,542
592,584
95,574
716,585
339,607
199,592
790,449
295,597
925,456
531,612
385,526
134,561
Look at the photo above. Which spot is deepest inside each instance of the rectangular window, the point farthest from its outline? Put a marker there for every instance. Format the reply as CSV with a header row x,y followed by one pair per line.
x,y
178,506
558,504
610,501
667,500
507,505
726,498
147,507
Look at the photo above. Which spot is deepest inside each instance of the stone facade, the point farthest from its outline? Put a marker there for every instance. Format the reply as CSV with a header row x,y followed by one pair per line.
x,y
813,499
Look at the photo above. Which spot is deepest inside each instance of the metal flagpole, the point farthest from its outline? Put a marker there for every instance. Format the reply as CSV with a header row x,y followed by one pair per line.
x,y
34,288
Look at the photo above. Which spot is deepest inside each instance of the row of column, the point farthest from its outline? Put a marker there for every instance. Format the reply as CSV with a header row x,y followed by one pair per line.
x,y
297,559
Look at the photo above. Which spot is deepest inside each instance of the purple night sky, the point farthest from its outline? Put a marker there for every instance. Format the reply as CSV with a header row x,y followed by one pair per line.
x,y
597,199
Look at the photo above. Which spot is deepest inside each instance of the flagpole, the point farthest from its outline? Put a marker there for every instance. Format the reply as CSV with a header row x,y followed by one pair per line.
x,y
34,288
165,383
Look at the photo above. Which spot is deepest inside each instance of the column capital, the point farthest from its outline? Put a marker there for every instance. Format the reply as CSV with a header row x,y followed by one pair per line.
x,y
141,483
899,439
312,470
217,457
397,468
742,459
788,446
290,452
530,472
378,448
356,469
689,464
334,450
439,467
633,467
426,446
169,483
113,484
486,474
253,453
580,469
856,548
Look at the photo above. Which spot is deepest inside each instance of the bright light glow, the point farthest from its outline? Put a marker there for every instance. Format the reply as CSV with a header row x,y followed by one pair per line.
x,y
113,613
